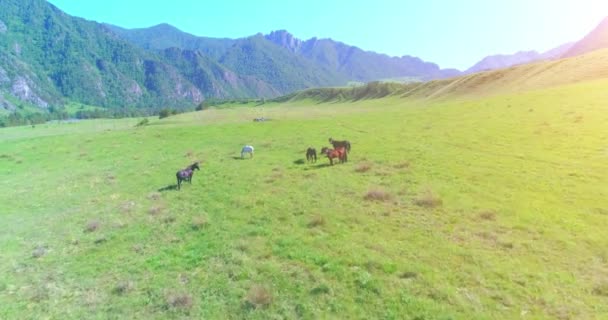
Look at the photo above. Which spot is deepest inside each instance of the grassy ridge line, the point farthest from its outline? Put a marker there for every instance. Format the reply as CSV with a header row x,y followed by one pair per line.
x,y
534,76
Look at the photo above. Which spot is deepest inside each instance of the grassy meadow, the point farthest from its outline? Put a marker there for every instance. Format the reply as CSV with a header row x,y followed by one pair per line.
x,y
479,208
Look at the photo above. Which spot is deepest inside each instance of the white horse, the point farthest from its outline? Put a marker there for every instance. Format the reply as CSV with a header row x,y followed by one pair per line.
x,y
247,149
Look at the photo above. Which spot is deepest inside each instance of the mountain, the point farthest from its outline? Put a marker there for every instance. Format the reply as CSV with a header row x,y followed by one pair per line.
x,y
257,57
597,39
321,61
164,36
502,61
356,64
48,57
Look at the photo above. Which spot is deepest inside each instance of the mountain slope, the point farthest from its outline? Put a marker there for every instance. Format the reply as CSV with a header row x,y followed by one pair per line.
x,y
47,56
540,75
597,39
522,57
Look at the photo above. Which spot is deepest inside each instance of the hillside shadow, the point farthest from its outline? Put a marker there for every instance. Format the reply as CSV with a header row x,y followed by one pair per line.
x,y
171,187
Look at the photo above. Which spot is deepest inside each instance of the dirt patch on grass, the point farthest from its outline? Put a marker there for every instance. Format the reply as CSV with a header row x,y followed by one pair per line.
x,y
428,199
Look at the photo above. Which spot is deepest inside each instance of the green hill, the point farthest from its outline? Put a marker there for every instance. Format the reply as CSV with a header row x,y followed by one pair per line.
x,y
48,57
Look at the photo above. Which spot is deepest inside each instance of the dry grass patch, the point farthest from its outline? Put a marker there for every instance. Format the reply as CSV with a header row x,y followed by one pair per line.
x,y
127,206
169,219
258,296
123,287
156,210
363,167
428,199
601,289
154,196
179,301
402,165
92,226
377,195
39,252
316,221
488,215
199,223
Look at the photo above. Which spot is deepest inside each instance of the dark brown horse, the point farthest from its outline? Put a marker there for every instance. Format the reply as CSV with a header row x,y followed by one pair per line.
x,y
338,153
186,174
311,155
340,144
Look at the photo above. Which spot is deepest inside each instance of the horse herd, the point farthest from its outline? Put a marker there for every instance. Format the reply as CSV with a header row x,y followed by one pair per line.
x,y
340,151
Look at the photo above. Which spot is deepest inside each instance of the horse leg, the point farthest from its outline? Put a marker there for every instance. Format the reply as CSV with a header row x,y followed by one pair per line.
x,y
242,155
179,183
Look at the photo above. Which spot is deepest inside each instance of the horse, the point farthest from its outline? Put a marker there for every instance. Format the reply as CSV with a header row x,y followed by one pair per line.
x,y
332,154
338,144
311,155
247,149
186,174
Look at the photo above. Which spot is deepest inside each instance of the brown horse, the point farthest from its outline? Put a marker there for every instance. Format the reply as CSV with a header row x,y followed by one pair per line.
x,y
339,153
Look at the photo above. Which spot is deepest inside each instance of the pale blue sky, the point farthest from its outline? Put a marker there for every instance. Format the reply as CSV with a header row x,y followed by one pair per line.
x,y
453,34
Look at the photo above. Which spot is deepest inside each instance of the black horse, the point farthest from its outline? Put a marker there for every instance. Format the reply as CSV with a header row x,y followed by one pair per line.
x,y
186,174
338,144
311,155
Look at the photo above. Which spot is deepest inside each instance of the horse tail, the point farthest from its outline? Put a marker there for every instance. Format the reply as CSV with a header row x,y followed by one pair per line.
x,y
348,146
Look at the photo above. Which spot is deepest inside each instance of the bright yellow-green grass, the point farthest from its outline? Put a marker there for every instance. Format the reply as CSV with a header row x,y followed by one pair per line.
x,y
493,208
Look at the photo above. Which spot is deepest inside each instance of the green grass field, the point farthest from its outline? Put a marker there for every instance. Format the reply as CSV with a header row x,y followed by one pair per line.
x,y
479,208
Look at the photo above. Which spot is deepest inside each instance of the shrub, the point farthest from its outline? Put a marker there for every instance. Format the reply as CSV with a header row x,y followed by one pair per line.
x,y
143,122
164,113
